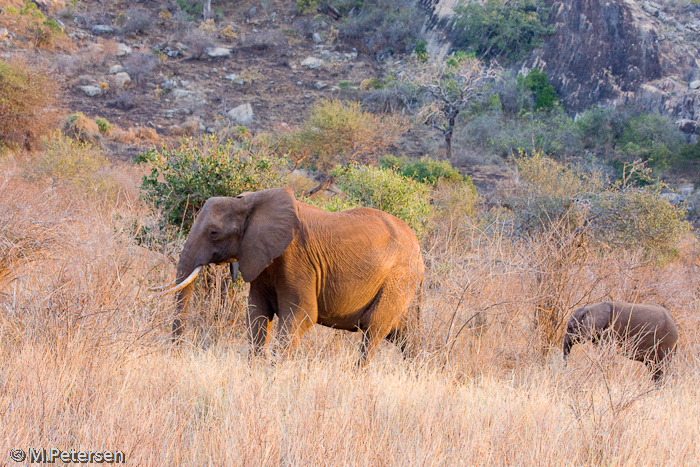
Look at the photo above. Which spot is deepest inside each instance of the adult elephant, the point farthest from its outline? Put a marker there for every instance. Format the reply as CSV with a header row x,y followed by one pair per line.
x,y
357,270
647,332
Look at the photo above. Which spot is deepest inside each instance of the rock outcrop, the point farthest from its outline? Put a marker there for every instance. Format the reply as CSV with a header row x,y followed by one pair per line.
x,y
598,52
612,52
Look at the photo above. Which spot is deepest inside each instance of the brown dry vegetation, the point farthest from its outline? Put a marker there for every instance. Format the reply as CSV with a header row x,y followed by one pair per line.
x,y
85,360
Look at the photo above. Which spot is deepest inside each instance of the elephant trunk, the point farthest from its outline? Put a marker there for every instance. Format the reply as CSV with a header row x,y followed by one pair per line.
x,y
568,343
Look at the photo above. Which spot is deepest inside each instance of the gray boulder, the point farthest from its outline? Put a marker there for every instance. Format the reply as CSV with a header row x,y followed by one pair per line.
x,y
102,29
116,69
91,91
218,52
243,114
312,62
169,84
122,79
123,50
234,78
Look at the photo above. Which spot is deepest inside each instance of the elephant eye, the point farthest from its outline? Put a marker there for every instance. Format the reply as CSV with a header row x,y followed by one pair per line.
x,y
213,234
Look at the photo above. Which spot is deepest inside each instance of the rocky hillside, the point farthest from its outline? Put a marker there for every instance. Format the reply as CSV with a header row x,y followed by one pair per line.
x,y
153,65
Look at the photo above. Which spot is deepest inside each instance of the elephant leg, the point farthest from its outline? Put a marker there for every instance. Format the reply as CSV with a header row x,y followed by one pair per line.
x,y
382,320
656,370
405,337
371,337
296,316
259,321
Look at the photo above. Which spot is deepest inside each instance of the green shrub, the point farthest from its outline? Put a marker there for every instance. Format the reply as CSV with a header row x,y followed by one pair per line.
x,y
501,28
537,82
425,170
306,6
639,217
388,191
181,180
191,9
652,138
103,125
27,105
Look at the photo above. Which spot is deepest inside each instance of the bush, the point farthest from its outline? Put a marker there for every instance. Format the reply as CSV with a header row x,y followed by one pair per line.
x,y
384,26
181,180
553,133
501,28
27,105
29,22
620,214
307,6
72,162
137,21
388,191
197,43
81,128
537,82
337,132
651,138
139,65
191,9
425,170
103,125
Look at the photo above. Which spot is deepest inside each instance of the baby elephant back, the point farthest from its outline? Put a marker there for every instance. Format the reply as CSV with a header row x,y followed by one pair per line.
x,y
648,330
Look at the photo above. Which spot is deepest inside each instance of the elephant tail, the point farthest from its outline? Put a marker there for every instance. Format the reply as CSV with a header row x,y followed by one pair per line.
x,y
415,311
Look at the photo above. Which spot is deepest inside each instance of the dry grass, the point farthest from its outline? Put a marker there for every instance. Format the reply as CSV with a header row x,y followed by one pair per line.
x,y
85,361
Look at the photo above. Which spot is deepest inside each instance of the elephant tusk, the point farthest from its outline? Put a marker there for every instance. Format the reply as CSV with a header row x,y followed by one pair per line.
x,y
161,287
184,283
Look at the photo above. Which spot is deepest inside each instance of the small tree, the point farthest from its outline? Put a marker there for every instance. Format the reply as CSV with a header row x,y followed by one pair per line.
x,y
501,28
450,87
338,132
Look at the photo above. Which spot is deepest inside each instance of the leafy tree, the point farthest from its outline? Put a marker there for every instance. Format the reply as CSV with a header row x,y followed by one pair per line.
x,y
501,28
450,86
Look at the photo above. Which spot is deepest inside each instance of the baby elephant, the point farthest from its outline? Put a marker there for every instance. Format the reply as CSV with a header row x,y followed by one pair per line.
x,y
647,331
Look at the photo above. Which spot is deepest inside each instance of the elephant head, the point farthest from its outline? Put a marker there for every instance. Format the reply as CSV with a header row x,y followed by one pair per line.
x,y
251,229
587,323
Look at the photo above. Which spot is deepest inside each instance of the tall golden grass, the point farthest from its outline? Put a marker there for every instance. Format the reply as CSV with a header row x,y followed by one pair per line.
x,y
86,362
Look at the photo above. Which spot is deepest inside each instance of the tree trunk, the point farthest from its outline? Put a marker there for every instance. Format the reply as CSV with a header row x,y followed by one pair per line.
x,y
448,134
206,9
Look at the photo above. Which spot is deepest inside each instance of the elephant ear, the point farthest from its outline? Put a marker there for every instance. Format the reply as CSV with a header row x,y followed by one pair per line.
x,y
270,227
597,317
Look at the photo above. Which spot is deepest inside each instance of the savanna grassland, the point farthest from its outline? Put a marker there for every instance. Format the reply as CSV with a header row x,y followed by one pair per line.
x,y
569,211
86,361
